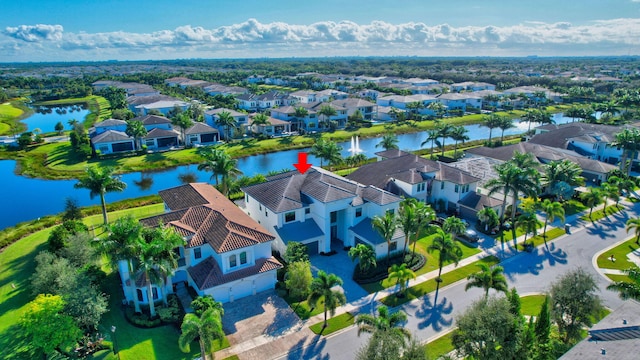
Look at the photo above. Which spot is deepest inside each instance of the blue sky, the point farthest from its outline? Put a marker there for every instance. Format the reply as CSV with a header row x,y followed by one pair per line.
x,y
65,30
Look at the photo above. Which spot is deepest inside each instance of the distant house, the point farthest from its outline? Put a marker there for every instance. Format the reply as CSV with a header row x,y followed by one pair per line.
x,y
287,113
211,117
151,122
110,124
201,134
320,209
112,141
408,175
161,138
227,255
366,108
163,106
274,127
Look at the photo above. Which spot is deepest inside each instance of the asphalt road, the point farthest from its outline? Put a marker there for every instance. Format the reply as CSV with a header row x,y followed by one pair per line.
x,y
528,272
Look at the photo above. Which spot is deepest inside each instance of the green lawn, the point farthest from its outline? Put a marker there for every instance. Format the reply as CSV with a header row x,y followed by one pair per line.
x,y
573,207
334,324
430,265
620,254
302,308
539,239
599,214
8,111
617,278
449,278
439,347
138,213
531,304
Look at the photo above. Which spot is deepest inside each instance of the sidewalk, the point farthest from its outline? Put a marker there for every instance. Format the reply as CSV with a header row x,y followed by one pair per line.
x,y
265,347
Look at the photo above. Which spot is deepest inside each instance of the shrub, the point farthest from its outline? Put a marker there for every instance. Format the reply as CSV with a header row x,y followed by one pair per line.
x,y
58,237
381,272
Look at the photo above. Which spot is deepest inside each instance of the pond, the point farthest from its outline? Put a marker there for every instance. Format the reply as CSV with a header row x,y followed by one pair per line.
x,y
26,198
45,118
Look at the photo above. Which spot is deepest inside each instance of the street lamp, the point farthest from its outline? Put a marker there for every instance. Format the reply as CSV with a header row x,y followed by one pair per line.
x,y
115,342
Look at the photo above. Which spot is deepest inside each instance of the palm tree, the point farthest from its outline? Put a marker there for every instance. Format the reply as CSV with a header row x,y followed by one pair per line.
x,y
488,217
322,288
454,226
228,170
592,198
432,135
634,224
561,174
573,112
327,111
609,191
136,129
385,321
407,220
207,328
402,276
551,210
166,240
388,142
529,116
458,133
629,141
300,114
258,120
386,227
505,123
448,250
366,257
444,131
488,278
424,215
438,108
99,181
226,120
327,150
529,223
628,290
147,270
492,121
211,157
183,121
505,183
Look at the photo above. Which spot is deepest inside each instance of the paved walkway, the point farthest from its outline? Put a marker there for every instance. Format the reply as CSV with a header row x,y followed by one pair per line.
x,y
265,347
184,297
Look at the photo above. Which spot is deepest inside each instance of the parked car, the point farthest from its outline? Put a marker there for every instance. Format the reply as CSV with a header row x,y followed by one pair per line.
x,y
470,236
437,221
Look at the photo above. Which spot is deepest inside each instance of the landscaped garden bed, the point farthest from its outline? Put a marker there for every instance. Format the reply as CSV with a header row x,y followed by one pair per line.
x,y
381,271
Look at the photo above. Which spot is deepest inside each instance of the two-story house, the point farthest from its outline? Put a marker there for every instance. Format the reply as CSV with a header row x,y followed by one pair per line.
x,y
320,209
211,117
227,254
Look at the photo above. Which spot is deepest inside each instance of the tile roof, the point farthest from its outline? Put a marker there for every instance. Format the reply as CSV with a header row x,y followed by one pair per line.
x,y
219,110
479,201
200,128
298,231
203,215
141,100
365,231
392,153
152,120
111,136
158,133
110,122
288,191
207,273
560,136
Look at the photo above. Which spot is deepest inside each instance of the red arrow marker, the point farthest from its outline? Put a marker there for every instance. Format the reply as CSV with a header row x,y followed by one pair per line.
x,y
302,164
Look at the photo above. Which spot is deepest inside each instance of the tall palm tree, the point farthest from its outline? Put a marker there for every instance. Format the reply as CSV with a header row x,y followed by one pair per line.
x,y
99,181
385,321
386,226
634,224
166,240
628,290
551,210
529,223
424,215
366,257
458,134
259,119
388,142
448,250
505,124
228,170
407,220
609,191
444,131
183,121
211,157
557,173
327,150
321,288
592,198
488,278
327,111
300,114
505,183
573,112
432,136
207,328
402,275
492,121
529,116
146,269
226,120
629,141
136,129
438,108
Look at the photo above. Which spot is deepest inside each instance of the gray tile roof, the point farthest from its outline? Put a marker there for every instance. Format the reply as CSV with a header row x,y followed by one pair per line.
x,y
288,191
110,136
298,231
392,153
200,128
479,201
207,274
560,136
141,100
365,231
219,110
152,120
110,122
159,133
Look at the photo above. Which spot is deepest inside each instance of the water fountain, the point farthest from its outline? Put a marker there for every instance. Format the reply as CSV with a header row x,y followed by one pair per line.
x,y
355,145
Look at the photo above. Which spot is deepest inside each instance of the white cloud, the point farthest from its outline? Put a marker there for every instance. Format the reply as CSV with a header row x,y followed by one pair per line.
x,y
327,38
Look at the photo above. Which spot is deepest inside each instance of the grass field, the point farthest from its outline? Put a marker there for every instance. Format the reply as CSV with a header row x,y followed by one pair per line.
x,y
334,324
448,278
539,239
439,347
430,265
531,304
620,254
600,214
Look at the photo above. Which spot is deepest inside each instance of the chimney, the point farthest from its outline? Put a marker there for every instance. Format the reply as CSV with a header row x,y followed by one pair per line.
x,y
603,351
624,321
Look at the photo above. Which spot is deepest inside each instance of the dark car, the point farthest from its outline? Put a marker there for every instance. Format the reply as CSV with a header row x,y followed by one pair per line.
x,y
437,221
470,236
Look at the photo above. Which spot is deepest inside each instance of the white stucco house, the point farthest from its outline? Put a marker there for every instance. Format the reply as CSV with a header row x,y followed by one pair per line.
x,y
320,209
226,255
112,141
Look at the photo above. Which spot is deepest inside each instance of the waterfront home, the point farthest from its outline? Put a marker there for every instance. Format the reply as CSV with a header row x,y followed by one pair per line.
x,y
112,141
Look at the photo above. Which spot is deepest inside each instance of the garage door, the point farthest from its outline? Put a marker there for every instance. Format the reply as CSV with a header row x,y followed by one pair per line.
x,y
242,289
168,141
265,282
207,138
465,212
123,146
312,248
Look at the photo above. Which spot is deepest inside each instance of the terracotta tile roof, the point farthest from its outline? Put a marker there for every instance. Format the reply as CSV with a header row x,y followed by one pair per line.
x,y
207,274
204,215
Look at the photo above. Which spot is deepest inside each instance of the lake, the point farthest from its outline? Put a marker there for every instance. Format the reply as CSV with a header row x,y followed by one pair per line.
x,y
45,118
27,198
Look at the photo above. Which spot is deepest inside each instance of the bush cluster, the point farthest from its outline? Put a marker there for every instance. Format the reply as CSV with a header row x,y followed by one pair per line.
x,y
381,271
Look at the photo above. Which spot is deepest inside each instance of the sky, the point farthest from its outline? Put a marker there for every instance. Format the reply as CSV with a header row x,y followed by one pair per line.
x,y
88,30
